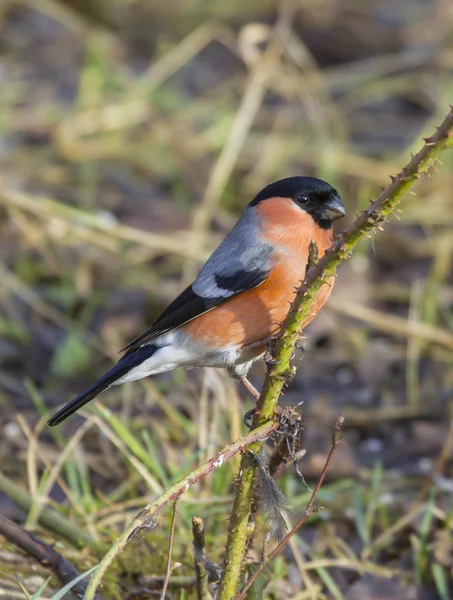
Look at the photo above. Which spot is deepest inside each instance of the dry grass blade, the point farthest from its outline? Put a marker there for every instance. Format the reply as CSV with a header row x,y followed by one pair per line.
x,y
61,218
170,549
395,325
50,519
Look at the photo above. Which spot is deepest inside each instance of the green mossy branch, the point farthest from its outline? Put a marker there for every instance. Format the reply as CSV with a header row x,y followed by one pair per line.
x,y
317,275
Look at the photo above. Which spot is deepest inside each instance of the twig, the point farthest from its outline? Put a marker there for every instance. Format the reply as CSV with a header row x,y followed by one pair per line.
x,y
145,519
444,455
201,574
307,512
157,581
146,593
170,550
74,218
318,275
49,518
397,326
44,554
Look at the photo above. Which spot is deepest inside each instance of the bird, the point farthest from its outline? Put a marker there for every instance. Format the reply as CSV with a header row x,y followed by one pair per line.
x,y
241,295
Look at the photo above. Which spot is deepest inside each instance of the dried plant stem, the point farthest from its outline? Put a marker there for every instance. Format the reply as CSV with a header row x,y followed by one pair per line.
x,y
49,518
317,275
201,574
170,550
145,519
307,512
44,554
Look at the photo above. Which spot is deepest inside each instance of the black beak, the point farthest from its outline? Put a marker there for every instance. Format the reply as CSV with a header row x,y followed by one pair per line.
x,y
335,208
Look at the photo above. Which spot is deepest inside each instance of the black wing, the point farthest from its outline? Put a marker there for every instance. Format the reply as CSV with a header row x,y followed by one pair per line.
x,y
189,305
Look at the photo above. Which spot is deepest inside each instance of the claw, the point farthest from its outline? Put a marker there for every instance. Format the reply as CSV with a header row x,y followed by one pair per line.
x,y
301,345
271,361
268,357
248,418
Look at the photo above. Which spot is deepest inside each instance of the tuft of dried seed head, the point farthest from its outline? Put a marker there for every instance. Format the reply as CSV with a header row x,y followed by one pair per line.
x,y
272,502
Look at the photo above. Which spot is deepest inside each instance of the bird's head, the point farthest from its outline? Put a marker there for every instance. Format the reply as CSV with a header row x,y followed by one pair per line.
x,y
315,196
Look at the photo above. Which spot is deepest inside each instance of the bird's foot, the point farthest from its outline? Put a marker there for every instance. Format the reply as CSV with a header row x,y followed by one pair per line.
x,y
269,355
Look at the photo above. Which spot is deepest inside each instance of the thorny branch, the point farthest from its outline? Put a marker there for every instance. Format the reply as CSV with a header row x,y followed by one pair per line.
x,y
145,518
317,275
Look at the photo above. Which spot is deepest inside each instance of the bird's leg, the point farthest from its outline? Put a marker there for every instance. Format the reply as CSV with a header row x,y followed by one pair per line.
x,y
269,343
263,342
248,417
251,388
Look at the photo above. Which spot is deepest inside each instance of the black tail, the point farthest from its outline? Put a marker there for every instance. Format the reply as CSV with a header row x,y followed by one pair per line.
x,y
125,364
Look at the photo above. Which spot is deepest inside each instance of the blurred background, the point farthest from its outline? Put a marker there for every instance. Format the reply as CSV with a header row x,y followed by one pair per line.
x,y
132,134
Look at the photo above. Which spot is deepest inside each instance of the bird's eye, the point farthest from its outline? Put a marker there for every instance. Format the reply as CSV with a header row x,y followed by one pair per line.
x,y
303,199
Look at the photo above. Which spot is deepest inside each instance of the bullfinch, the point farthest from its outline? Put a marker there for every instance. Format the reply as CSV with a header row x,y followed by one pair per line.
x,y
242,293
